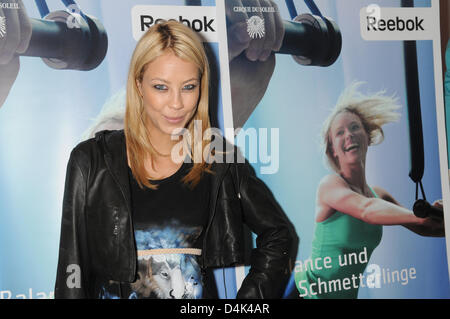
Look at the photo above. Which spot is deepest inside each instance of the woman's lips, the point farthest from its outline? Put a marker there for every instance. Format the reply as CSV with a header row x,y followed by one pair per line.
x,y
173,120
351,147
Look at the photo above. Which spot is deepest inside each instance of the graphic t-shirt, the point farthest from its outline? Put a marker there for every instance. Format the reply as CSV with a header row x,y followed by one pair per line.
x,y
171,217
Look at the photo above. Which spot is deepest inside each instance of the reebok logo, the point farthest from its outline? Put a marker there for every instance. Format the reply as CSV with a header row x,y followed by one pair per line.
x,y
397,24
198,18
198,25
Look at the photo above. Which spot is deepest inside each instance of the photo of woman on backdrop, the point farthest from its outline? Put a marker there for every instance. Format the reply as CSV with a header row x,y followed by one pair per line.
x,y
350,214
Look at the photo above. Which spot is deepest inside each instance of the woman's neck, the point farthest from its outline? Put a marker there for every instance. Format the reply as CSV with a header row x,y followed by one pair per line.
x,y
162,143
161,164
355,175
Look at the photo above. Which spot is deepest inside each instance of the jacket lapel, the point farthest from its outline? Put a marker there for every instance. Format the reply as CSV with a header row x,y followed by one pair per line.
x,y
114,147
115,156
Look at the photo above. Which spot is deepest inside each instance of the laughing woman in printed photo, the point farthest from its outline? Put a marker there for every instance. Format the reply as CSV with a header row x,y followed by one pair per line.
x,y
350,214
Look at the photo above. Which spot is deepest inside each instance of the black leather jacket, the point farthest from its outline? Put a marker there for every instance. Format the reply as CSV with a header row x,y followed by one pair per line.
x,y
97,236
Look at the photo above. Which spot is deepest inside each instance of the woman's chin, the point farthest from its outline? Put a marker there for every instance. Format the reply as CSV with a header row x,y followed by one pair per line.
x,y
352,159
174,130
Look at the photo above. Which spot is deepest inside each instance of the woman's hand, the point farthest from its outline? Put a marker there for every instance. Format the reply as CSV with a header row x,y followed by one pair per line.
x,y
429,226
438,204
432,226
256,47
252,60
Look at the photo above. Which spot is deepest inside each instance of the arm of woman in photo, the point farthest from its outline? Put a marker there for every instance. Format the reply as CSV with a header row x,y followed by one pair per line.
x,y
430,226
72,268
335,193
276,243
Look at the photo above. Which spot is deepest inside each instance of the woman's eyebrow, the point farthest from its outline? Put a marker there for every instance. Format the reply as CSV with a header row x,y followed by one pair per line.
x,y
159,79
192,79
166,81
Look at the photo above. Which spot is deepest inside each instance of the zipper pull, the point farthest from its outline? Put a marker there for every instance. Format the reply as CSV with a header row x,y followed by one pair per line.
x,y
116,221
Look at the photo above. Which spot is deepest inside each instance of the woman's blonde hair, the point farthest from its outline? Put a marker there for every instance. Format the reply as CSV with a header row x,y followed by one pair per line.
x,y
373,110
177,38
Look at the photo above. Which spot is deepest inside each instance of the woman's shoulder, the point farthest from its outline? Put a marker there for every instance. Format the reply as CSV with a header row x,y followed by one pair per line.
x,y
93,143
330,185
332,180
84,149
87,150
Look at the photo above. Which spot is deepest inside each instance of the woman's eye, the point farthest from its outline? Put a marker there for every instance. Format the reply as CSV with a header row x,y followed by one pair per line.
x,y
189,87
355,127
160,87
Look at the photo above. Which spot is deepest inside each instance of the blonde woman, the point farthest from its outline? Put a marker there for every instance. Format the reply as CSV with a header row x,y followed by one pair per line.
x,y
138,224
349,213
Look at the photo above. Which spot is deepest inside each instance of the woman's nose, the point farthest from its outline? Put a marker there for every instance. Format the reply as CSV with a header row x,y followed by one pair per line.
x,y
176,101
348,134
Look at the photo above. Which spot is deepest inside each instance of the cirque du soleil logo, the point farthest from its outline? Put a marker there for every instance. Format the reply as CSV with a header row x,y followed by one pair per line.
x,y
5,6
255,23
255,27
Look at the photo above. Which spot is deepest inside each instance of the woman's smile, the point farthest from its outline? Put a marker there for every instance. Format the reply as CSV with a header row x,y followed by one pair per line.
x,y
349,138
174,120
351,147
